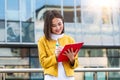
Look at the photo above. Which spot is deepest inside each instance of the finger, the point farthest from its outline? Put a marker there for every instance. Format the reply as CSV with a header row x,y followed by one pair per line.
x,y
66,53
72,50
69,51
76,51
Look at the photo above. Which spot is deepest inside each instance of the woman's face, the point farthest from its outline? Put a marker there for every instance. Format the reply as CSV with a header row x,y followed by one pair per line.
x,y
57,26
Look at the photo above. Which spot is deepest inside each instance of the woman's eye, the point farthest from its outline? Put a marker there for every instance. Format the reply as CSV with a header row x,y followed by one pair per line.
x,y
60,23
55,25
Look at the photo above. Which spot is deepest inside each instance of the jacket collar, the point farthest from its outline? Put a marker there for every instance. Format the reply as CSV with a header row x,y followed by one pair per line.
x,y
56,36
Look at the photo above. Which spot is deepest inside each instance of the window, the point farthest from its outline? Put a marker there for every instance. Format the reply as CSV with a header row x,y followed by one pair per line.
x,y
114,62
2,30
81,53
89,15
95,52
78,11
28,32
13,31
113,57
34,63
107,15
12,10
2,9
68,11
26,10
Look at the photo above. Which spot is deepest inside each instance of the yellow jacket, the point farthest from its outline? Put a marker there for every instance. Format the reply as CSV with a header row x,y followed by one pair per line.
x,y
47,56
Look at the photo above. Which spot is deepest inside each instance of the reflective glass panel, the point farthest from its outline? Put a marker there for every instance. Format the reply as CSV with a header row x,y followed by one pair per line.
x,y
14,52
113,52
12,10
113,62
91,34
114,76
2,30
101,76
107,15
68,11
26,10
14,61
81,53
10,5
113,57
78,11
34,63
119,17
13,31
90,15
107,35
28,32
40,4
95,52
34,52
116,31
2,9
89,75
40,9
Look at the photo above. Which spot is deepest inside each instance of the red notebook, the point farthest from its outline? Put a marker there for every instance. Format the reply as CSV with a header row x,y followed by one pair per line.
x,y
62,57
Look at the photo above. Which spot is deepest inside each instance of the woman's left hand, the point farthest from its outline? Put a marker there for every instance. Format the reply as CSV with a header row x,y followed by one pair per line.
x,y
71,54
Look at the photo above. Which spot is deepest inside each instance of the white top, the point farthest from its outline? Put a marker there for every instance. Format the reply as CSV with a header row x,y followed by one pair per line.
x,y
61,71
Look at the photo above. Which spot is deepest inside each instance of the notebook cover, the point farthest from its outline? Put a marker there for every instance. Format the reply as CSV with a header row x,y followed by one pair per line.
x,y
62,57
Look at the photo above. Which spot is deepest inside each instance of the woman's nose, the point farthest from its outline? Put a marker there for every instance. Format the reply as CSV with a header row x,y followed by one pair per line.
x,y
57,26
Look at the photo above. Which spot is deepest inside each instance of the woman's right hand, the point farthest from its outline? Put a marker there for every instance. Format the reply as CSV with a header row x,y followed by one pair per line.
x,y
58,50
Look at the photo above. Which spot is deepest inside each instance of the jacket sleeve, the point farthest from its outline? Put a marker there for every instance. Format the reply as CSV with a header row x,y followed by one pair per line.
x,y
76,63
45,60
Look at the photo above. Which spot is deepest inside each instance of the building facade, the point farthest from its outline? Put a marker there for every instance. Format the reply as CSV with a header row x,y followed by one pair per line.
x,y
96,23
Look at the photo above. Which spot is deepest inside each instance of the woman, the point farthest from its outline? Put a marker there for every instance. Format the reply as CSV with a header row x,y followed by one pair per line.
x,y
48,53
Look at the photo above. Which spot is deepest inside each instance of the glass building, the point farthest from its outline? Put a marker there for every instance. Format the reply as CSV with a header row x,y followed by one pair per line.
x,y
94,22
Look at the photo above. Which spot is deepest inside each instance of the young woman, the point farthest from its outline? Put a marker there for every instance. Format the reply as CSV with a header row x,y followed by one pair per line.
x,y
48,53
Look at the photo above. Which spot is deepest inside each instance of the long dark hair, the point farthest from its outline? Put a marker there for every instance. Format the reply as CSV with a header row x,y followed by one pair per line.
x,y
48,17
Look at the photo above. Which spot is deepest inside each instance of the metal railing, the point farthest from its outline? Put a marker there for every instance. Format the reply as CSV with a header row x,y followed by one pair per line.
x,y
40,70
20,70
